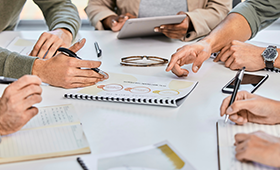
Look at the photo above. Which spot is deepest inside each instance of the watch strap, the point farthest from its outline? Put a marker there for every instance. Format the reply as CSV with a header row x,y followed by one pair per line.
x,y
269,65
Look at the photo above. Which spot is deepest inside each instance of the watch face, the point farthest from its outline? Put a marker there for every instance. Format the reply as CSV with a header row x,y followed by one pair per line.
x,y
270,54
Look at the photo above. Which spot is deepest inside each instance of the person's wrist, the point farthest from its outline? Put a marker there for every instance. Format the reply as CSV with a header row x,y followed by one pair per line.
x,y
107,22
67,35
277,60
38,65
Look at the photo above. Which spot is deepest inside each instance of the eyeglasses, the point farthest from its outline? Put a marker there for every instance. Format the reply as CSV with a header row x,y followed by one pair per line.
x,y
143,61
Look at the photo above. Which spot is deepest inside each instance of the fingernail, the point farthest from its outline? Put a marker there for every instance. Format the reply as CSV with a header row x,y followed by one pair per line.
x,y
161,27
195,68
229,109
185,74
156,30
126,17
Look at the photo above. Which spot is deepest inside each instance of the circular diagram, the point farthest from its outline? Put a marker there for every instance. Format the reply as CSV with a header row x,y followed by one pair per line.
x,y
138,90
111,87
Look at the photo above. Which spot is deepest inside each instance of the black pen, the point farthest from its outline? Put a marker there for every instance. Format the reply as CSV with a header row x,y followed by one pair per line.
x,y
97,49
237,83
72,54
8,80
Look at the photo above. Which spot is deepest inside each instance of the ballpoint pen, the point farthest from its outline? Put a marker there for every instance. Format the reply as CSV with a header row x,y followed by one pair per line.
x,y
8,80
72,54
238,80
97,49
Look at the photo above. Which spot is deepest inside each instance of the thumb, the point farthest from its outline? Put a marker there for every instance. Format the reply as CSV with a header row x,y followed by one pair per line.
x,y
181,13
239,105
202,56
78,45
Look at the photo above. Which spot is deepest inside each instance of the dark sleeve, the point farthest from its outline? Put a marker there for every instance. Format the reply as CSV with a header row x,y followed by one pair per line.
x,y
15,65
258,13
60,14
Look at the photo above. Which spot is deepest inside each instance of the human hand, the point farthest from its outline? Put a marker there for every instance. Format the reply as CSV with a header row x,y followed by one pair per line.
x,y
238,54
249,107
175,31
258,147
64,71
115,23
50,41
16,103
195,53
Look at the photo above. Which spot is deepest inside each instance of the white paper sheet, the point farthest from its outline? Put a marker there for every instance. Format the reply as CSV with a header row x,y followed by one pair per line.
x,y
226,146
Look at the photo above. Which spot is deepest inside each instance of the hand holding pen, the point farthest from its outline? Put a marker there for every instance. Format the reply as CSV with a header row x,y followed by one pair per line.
x,y
64,71
238,80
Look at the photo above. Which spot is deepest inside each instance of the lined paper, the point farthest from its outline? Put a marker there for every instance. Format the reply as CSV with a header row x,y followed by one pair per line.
x,y
54,132
54,115
226,146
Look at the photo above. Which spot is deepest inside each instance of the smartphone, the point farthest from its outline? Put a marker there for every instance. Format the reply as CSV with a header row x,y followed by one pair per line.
x,y
250,82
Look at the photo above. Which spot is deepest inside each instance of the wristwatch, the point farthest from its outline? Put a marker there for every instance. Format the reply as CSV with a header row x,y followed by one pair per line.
x,y
269,55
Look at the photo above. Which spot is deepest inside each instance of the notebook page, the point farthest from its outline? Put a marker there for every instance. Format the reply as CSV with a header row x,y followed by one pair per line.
x,y
43,143
53,116
20,45
226,146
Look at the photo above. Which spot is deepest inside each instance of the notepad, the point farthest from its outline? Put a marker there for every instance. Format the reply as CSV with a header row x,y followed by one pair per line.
x,y
126,88
226,148
54,132
160,156
21,45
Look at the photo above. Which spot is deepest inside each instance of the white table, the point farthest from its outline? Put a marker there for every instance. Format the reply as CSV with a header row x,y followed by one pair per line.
x,y
114,127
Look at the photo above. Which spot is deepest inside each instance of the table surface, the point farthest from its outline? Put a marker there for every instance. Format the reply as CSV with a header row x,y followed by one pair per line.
x,y
115,127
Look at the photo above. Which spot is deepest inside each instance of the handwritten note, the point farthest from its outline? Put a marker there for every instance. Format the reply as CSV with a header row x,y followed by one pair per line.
x,y
54,131
55,115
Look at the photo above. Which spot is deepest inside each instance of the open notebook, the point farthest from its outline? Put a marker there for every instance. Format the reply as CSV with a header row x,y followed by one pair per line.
x,y
54,132
226,148
138,89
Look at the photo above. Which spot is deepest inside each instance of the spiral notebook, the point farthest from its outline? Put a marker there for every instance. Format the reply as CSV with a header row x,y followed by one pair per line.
x,y
138,89
54,132
159,156
226,148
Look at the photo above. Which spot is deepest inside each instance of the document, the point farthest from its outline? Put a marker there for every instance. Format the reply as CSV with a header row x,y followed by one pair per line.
x,y
160,156
55,131
21,46
226,132
138,89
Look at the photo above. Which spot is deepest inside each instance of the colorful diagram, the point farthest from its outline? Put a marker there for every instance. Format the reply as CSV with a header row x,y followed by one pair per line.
x,y
111,87
138,89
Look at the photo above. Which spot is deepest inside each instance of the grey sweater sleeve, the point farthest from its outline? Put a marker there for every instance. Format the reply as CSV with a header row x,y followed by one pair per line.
x,y
15,65
258,13
60,14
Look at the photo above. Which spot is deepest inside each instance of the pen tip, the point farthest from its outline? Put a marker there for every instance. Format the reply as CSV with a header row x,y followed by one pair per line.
x,y
243,68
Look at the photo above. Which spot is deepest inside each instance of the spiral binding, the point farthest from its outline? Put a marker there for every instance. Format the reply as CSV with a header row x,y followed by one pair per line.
x,y
275,70
81,162
150,101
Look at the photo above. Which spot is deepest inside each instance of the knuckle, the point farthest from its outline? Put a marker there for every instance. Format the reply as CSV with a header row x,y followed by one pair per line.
x,y
37,47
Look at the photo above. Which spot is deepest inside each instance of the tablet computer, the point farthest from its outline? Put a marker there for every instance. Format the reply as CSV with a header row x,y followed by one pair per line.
x,y
137,27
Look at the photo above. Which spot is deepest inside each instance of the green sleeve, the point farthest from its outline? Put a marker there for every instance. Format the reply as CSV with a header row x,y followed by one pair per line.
x,y
15,65
259,13
60,14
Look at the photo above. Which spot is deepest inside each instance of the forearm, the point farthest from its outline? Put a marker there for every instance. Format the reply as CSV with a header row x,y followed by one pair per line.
x,y
60,14
207,18
233,27
15,65
98,10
